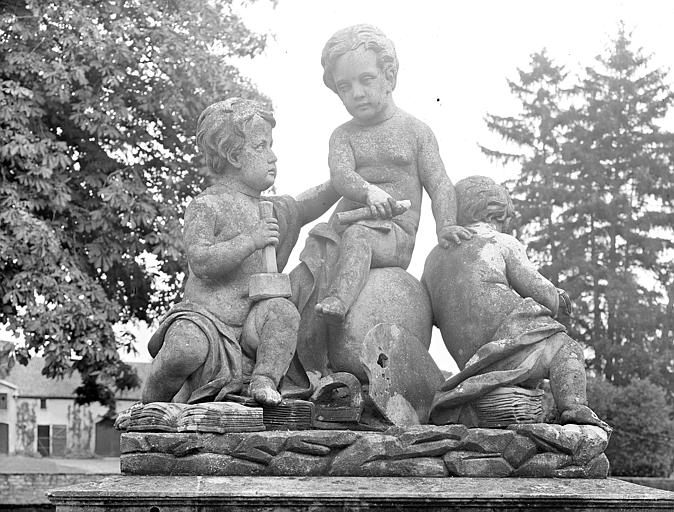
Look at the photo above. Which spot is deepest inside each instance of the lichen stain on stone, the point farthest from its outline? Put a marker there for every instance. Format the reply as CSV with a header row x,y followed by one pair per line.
x,y
26,427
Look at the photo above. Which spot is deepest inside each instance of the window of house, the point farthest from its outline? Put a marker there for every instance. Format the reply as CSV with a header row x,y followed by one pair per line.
x,y
43,403
3,400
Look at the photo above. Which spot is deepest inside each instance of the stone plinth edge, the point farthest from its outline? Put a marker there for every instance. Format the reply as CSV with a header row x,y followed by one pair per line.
x,y
206,494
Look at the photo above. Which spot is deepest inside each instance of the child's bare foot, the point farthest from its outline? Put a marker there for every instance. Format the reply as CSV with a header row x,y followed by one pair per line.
x,y
264,392
332,308
583,415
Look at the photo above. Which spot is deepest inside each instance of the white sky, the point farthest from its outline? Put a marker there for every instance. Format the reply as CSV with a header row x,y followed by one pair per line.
x,y
454,61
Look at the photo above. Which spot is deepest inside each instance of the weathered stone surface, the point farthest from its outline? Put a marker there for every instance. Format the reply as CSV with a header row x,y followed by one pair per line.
x,y
543,465
593,442
475,464
582,442
201,464
431,449
519,450
426,433
486,440
596,468
180,444
297,464
306,494
296,444
367,448
417,467
332,439
346,453
565,439
599,467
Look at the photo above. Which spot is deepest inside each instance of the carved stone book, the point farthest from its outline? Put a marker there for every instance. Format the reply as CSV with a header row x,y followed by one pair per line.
x,y
217,417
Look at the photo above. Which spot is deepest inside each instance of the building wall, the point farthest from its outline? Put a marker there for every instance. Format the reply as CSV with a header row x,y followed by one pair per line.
x,y
8,415
78,420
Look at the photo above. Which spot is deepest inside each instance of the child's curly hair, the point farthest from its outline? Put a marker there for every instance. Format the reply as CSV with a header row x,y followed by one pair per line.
x,y
480,199
220,129
350,38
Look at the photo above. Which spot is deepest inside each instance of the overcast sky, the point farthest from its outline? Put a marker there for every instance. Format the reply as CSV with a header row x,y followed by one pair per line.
x,y
454,61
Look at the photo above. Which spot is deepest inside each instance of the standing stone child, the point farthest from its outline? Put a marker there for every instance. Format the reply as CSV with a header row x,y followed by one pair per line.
x,y
216,338
381,156
496,314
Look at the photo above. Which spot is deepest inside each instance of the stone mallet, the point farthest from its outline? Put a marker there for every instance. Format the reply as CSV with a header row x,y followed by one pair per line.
x,y
269,283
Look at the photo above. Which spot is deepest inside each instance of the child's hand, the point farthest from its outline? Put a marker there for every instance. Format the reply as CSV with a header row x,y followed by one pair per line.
x,y
453,233
565,304
380,202
265,233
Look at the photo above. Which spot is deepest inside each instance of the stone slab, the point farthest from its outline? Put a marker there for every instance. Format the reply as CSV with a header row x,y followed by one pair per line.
x,y
235,494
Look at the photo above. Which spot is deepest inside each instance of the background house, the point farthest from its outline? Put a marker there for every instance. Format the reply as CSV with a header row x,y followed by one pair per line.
x,y
39,415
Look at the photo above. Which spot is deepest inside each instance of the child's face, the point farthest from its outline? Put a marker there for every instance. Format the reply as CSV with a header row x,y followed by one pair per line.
x,y
362,85
258,161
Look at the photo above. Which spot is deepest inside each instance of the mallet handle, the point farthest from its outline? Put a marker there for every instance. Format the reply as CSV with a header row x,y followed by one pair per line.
x,y
269,252
365,212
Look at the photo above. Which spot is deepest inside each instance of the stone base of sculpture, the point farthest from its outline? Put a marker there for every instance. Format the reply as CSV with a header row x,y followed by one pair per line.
x,y
532,450
304,494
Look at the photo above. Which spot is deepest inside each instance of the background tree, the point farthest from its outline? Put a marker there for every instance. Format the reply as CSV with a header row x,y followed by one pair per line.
x,y
536,135
642,443
622,162
98,109
595,191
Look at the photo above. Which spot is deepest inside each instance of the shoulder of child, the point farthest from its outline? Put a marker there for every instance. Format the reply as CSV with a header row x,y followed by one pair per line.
x,y
510,244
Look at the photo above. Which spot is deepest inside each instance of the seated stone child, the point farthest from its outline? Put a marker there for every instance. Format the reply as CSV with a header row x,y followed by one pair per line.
x,y
496,314
381,156
216,338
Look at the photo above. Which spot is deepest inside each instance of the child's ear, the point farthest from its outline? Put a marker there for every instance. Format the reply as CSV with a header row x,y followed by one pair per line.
x,y
391,76
233,157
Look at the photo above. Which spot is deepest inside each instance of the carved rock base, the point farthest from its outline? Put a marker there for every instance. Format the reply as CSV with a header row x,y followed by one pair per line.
x,y
535,450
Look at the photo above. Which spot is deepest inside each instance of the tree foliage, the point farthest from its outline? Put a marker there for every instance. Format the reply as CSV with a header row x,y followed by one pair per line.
x,y
98,109
642,442
596,194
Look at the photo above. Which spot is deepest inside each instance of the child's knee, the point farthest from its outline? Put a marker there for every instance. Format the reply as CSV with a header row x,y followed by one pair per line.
x,y
185,347
277,312
567,351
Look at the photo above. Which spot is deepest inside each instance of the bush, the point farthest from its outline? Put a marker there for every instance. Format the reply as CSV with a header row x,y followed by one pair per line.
x,y
642,443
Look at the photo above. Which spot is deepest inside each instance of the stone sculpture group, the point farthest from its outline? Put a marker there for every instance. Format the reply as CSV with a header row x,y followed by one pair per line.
x,y
348,330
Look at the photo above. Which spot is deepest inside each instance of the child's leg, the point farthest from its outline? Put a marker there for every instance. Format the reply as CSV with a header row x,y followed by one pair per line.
x,y
184,351
270,339
361,248
568,384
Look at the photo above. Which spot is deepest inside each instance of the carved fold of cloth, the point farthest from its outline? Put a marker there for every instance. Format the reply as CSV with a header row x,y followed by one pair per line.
x,y
521,346
310,281
222,373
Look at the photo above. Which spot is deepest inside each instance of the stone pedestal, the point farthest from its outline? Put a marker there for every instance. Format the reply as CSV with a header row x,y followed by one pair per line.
x,y
533,450
206,494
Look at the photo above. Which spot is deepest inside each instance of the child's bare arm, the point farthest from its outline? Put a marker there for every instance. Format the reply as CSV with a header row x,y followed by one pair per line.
x,y
349,183
440,189
209,259
316,201
524,277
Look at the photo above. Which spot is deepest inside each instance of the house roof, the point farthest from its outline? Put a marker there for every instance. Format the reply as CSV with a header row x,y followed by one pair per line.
x,y
32,384
7,384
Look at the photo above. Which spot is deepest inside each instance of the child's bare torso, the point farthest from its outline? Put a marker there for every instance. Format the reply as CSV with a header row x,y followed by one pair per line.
x,y
386,156
228,214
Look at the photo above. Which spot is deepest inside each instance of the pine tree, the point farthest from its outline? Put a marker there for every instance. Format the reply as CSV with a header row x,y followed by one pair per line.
x,y
623,169
595,194
538,132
